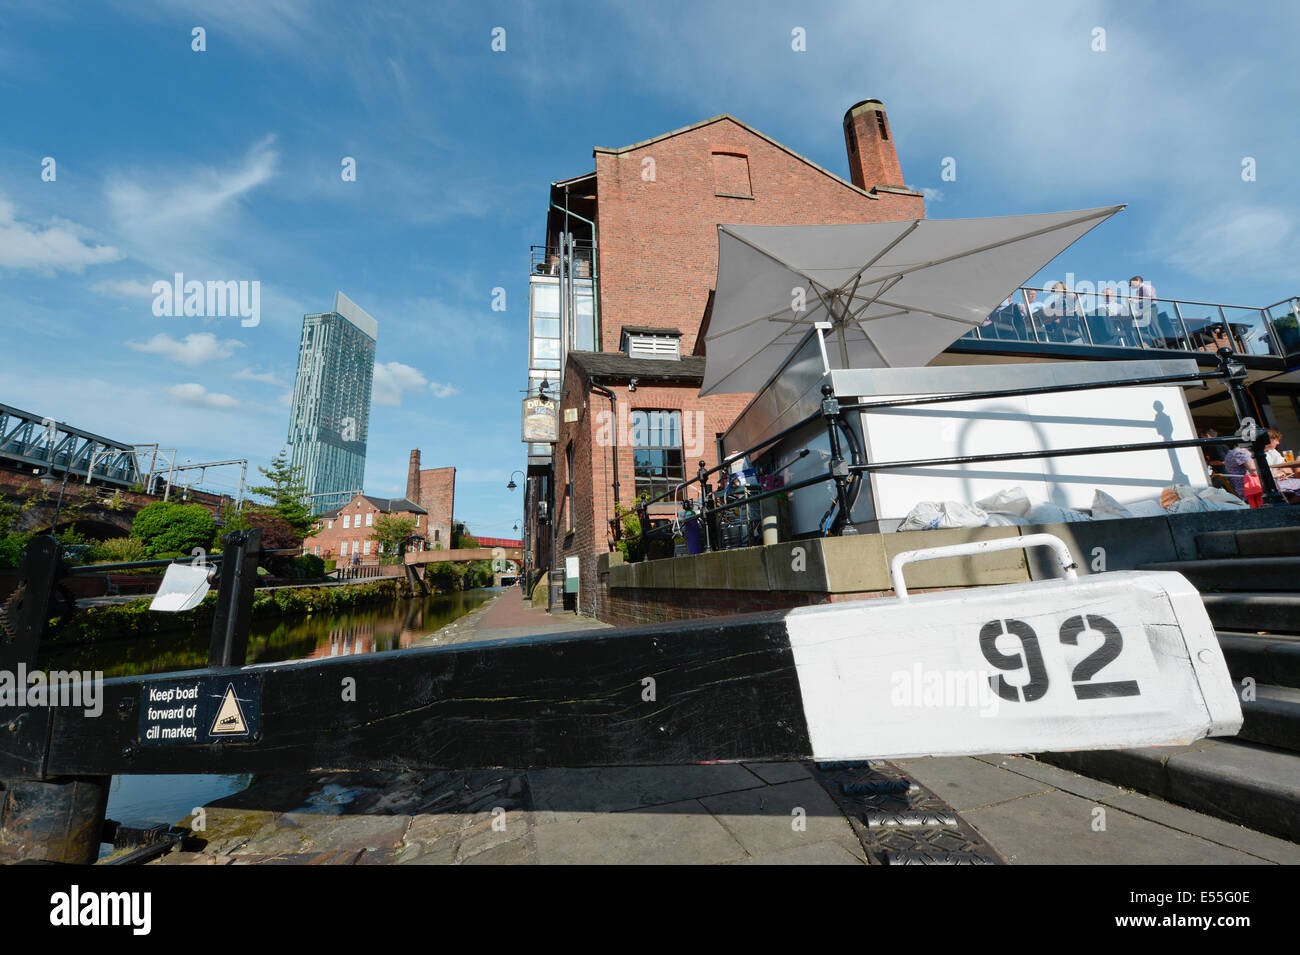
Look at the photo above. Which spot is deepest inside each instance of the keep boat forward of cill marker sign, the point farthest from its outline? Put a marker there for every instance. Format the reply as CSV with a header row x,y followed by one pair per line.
x,y
205,709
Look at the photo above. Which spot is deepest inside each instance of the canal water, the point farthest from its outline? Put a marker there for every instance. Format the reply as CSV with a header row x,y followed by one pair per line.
x,y
148,800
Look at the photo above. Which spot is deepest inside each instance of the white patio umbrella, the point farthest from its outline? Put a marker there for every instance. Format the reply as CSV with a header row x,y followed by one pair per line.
x,y
894,293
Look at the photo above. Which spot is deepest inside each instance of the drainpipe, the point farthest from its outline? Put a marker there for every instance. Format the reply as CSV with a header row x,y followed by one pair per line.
x,y
613,412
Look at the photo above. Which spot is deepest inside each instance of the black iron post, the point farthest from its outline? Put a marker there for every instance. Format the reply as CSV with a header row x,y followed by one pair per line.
x,y
839,468
703,518
229,644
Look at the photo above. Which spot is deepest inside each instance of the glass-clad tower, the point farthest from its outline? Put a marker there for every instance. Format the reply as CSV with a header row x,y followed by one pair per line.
x,y
330,415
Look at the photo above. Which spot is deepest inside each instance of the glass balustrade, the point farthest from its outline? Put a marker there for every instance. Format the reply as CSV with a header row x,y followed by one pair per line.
x,y
1284,316
1123,320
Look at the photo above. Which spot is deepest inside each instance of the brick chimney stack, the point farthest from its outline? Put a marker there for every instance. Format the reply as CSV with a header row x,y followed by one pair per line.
x,y
413,478
873,161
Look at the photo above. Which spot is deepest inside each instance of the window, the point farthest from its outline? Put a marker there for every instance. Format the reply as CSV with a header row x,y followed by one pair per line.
x,y
343,549
331,524
568,483
316,551
366,551
731,175
346,519
657,459
370,518
437,534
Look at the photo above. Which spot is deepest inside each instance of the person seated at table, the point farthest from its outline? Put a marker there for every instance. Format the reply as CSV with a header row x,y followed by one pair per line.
x,y
1283,470
1104,319
1240,461
1057,315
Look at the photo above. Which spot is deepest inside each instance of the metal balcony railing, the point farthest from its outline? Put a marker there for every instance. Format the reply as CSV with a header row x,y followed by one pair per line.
x,y
843,470
545,260
1121,320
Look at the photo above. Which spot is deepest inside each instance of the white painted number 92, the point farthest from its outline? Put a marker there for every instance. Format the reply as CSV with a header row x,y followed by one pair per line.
x,y
1030,658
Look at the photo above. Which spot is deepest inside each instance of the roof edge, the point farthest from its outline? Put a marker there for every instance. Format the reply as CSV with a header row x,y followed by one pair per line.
x,y
607,151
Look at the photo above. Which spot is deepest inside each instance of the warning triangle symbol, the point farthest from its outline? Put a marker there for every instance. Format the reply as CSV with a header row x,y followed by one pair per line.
x,y
230,718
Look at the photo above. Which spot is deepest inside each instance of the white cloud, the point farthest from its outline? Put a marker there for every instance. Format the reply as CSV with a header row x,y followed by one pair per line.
x,y
265,377
49,250
197,196
931,195
196,348
443,391
193,393
393,380
124,288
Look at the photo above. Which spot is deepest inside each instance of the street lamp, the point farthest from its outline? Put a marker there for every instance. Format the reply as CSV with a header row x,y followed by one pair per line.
x,y
512,485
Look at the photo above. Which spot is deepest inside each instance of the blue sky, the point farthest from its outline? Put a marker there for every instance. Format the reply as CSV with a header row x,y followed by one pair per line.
x,y
225,165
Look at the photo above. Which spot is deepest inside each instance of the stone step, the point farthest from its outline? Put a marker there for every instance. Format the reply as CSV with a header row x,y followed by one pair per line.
x,y
1253,612
1232,574
1273,717
1256,542
1272,660
1230,778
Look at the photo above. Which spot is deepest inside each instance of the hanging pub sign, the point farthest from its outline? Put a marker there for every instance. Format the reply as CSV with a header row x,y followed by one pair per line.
x,y
539,420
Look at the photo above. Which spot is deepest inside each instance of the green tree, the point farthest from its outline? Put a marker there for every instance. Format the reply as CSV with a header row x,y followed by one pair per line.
x,y
391,530
165,527
287,493
12,542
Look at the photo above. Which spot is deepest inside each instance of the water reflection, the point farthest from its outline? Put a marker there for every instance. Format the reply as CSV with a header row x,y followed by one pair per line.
x,y
272,639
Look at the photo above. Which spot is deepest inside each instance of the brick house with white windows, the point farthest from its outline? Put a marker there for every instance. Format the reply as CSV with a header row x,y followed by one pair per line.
x,y
345,532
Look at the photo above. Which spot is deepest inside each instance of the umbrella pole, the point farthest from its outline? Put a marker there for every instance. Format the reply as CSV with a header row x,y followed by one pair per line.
x,y
839,468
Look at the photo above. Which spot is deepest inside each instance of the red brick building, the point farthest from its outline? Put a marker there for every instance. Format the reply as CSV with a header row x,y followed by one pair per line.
x,y
434,489
644,229
345,532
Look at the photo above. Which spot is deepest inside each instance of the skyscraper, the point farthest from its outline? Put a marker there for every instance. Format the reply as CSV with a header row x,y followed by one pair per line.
x,y
330,417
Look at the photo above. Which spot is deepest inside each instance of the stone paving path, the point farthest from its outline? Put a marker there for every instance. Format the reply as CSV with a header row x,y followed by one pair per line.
x,y
508,616
755,813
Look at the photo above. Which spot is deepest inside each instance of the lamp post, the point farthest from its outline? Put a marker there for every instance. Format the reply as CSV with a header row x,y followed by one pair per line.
x,y
510,487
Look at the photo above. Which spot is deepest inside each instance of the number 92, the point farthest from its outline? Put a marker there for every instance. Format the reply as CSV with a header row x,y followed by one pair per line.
x,y
1030,658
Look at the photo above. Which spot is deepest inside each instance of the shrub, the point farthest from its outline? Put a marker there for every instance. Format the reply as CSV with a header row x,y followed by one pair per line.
x,y
165,526
119,550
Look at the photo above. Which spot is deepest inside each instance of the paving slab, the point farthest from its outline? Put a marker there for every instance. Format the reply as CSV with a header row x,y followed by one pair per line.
x,y
1156,810
620,789
786,816
778,772
681,833
965,782
1056,827
819,853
